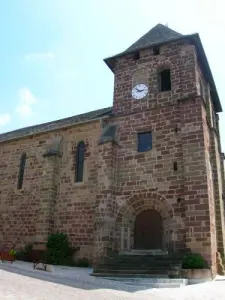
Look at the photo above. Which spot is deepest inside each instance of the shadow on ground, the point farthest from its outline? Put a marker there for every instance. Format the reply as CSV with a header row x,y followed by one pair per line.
x,y
81,283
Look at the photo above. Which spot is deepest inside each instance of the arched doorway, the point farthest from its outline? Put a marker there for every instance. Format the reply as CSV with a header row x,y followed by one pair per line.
x,y
148,230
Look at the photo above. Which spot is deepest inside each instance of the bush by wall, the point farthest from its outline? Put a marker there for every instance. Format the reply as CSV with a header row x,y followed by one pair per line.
x,y
194,261
59,251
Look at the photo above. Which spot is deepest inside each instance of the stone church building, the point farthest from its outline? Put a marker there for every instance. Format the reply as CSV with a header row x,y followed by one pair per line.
x,y
146,173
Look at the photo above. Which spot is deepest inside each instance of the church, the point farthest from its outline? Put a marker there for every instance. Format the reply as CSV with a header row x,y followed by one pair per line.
x,y
146,174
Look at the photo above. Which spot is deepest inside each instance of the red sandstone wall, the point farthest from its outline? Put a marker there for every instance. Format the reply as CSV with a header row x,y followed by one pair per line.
x,y
73,205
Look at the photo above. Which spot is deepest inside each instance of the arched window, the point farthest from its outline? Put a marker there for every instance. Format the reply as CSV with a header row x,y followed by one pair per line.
x,y
80,162
21,171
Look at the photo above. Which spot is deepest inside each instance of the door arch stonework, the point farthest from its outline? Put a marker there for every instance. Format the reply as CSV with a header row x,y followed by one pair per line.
x,y
131,208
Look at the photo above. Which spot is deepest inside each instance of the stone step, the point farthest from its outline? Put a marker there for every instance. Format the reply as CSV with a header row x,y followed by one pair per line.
x,y
143,257
127,275
155,252
141,264
150,263
151,282
149,279
132,271
153,263
114,269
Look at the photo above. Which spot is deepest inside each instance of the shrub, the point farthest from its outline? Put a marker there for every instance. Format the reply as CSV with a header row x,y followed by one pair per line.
x,y
83,263
12,252
193,261
25,254
59,251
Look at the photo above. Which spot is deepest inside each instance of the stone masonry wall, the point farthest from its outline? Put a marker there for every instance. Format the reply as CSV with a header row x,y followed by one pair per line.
x,y
211,130
180,58
152,173
175,119
211,185
24,212
105,205
218,187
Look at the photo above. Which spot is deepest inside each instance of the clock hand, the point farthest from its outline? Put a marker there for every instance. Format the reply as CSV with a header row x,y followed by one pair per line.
x,y
139,90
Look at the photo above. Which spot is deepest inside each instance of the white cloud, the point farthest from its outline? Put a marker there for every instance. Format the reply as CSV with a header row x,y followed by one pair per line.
x,y
4,119
26,101
39,56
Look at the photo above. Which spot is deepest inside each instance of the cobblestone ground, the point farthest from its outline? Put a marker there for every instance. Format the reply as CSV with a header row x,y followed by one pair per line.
x,y
24,286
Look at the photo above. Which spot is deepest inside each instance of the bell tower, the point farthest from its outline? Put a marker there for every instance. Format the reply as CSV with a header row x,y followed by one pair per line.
x,y
157,70
164,104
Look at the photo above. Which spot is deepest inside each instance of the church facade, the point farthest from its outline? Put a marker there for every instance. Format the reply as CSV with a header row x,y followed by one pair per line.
x,y
146,173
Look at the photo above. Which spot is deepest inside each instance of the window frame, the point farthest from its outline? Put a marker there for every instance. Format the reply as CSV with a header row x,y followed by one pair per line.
x,y
22,166
79,159
139,143
137,56
160,80
156,51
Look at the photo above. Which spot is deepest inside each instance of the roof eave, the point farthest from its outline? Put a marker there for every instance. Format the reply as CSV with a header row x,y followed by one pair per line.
x,y
110,60
207,71
34,133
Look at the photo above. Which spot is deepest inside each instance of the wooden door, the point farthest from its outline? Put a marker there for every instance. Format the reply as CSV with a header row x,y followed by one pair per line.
x,y
148,230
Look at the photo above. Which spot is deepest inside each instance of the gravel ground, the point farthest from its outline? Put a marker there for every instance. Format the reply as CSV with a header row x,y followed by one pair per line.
x,y
24,284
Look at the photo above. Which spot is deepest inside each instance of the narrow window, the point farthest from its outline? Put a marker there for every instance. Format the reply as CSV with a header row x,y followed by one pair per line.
x,y
21,171
175,166
156,51
137,56
165,80
80,162
144,141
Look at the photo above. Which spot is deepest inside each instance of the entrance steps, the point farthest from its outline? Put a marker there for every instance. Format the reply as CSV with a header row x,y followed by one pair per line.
x,y
136,264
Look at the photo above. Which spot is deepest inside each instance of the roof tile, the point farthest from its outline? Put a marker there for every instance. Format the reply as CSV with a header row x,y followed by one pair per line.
x,y
158,34
55,124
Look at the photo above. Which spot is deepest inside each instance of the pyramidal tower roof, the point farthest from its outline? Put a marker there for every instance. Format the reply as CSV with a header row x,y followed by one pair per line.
x,y
157,35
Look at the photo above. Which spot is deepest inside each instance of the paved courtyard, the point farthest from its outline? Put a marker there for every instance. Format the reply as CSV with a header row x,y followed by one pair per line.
x,y
21,282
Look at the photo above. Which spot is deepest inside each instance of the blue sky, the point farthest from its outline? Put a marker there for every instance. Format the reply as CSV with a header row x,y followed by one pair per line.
x,y
52,51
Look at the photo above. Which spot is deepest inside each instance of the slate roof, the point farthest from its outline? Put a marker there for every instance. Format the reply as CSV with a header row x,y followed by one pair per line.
x,y
161,34
156,35
55,124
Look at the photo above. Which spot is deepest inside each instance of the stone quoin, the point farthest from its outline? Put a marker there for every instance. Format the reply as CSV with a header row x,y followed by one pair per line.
x,y
146,173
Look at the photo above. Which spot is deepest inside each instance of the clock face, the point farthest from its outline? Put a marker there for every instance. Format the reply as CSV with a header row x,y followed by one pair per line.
x,y
139,91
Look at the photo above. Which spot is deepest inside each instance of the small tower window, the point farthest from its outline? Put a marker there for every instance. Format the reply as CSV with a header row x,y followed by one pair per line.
x,y
136,55
144,141
79,162
156,50
165,80
175,166
21,171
